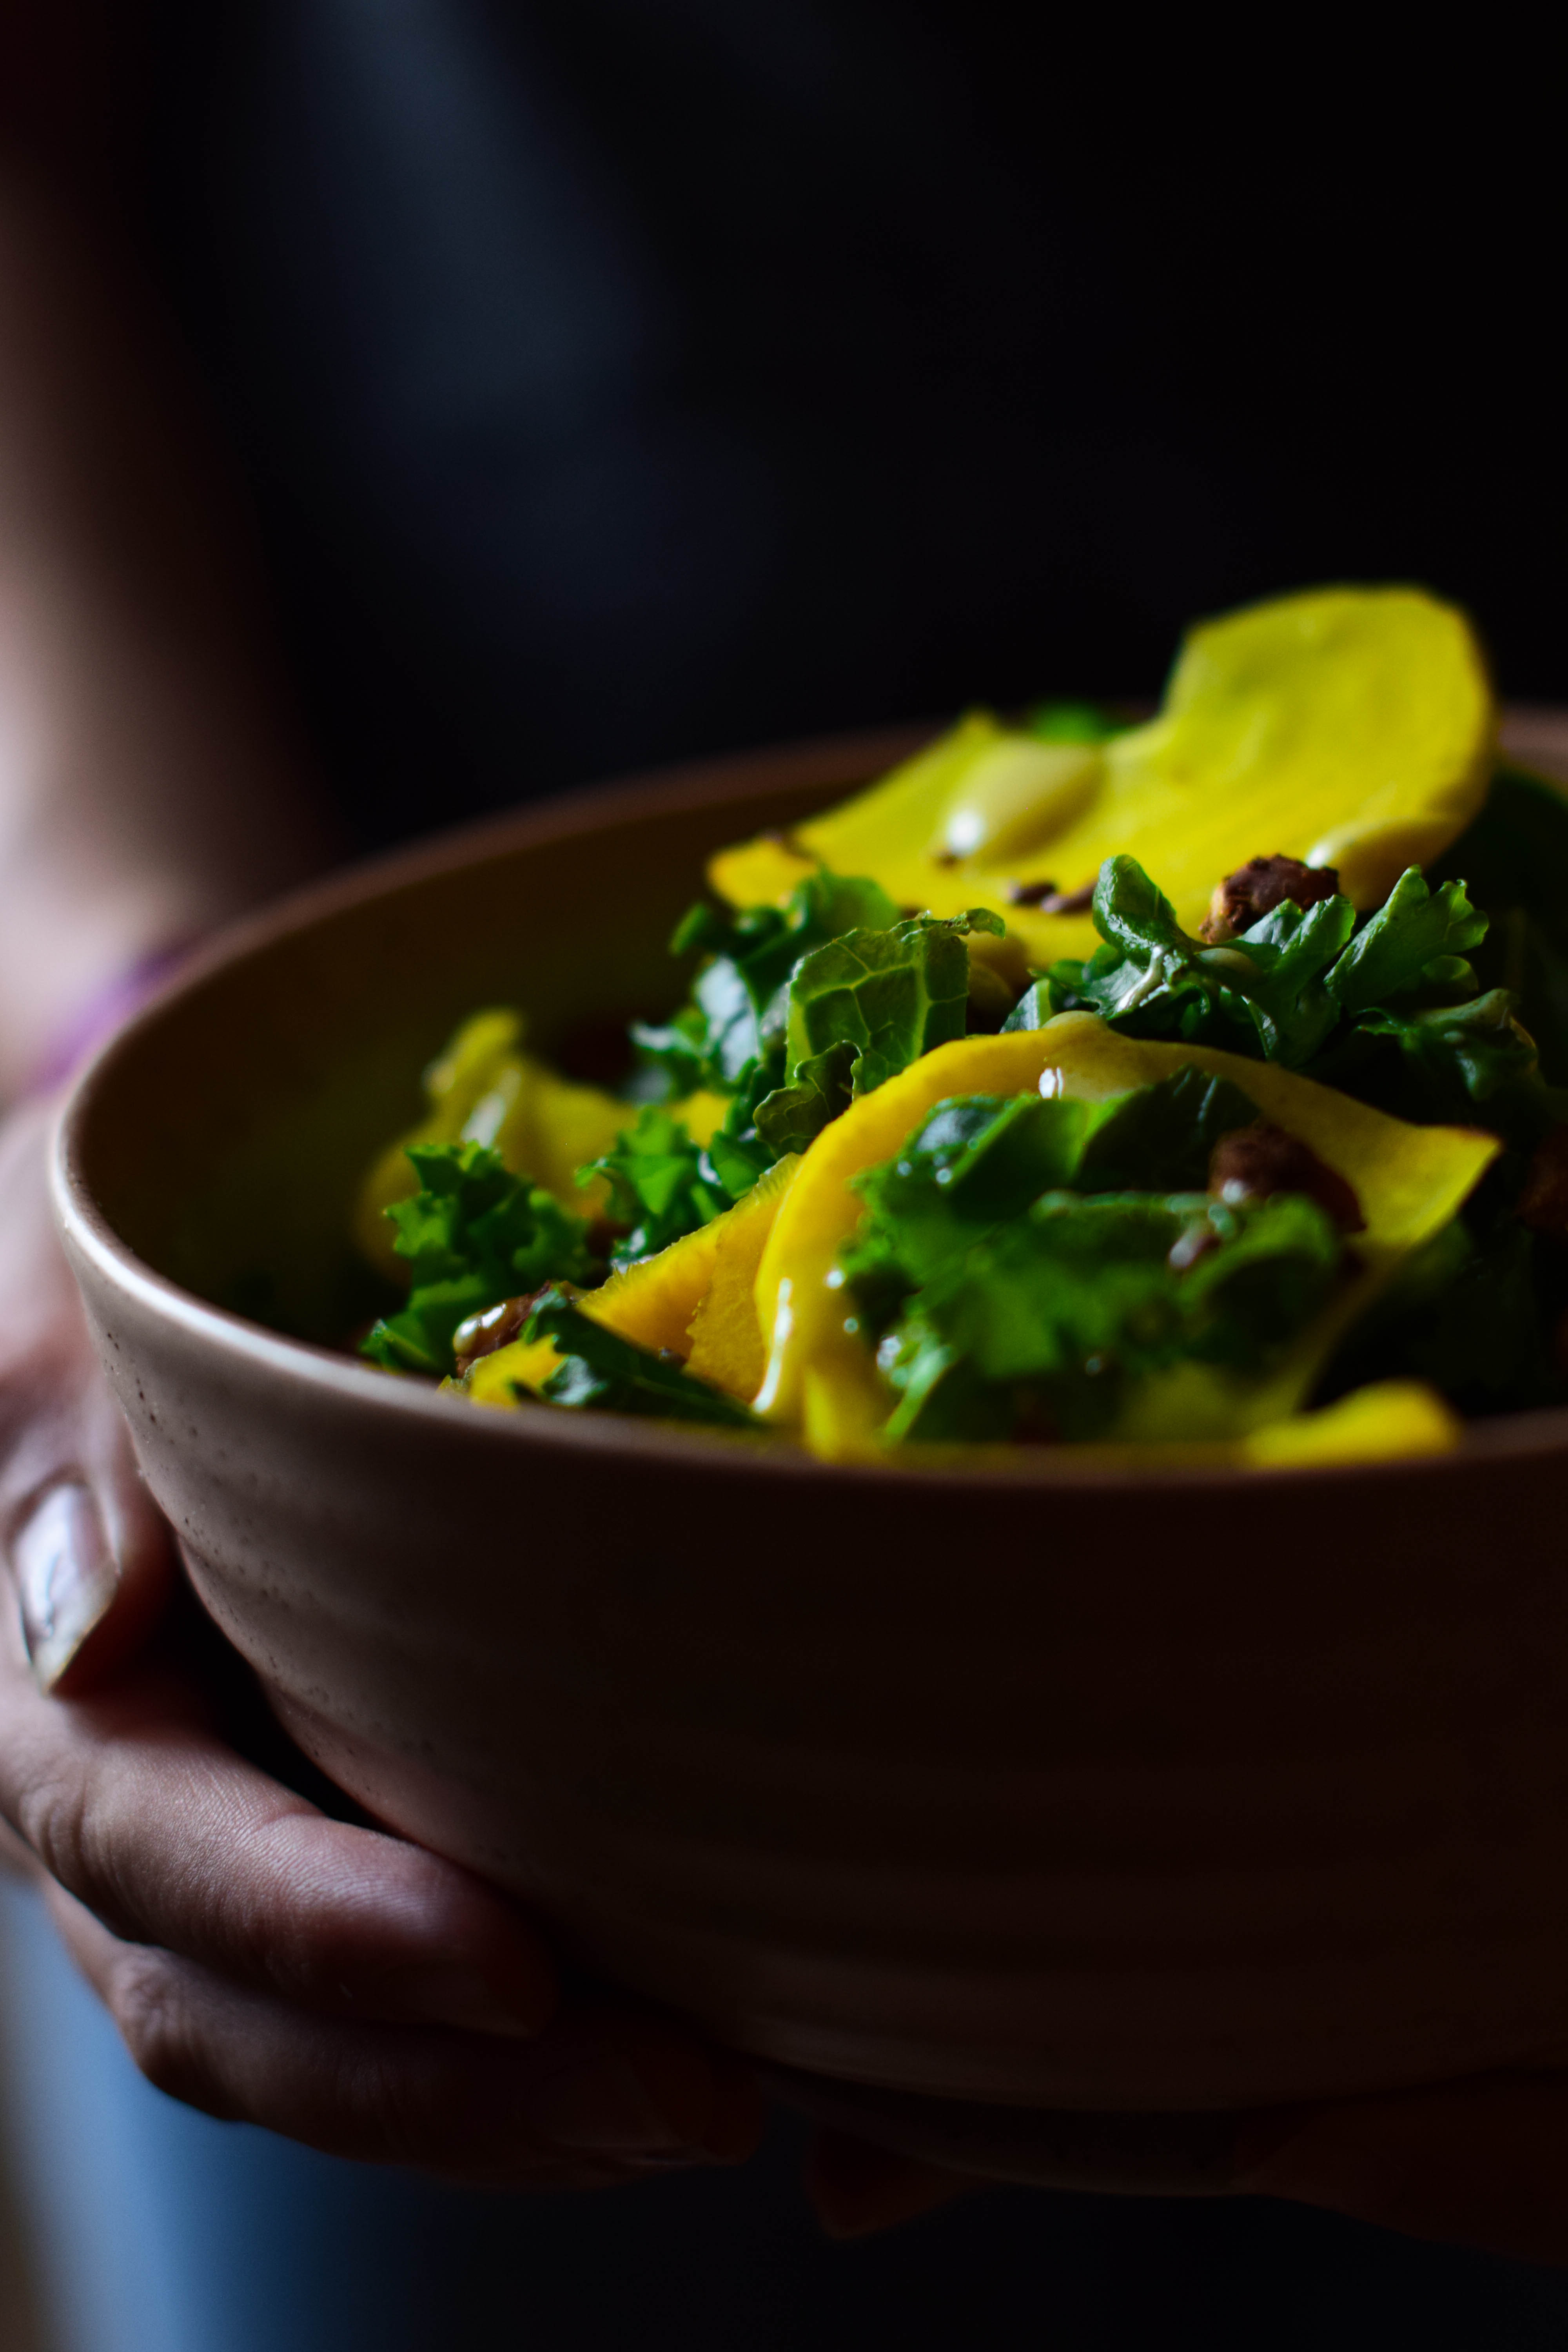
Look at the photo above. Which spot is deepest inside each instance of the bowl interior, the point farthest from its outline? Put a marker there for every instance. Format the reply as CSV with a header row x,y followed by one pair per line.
x,y
225,1136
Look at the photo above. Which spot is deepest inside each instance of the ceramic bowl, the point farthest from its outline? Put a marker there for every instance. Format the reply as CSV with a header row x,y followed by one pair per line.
x,y
955,1796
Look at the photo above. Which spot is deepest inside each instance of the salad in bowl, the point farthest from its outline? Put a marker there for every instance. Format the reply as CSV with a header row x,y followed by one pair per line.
x,y
967,1512
1081,1084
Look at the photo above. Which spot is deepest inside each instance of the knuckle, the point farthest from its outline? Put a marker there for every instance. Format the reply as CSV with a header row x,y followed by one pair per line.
x,y
52,1815
61,1816
150,2004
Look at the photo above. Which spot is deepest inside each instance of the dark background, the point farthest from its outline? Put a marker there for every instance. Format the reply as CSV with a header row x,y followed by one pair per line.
x,y
624,379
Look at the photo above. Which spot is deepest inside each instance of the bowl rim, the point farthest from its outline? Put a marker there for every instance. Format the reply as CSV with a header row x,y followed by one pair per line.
x,y
685,788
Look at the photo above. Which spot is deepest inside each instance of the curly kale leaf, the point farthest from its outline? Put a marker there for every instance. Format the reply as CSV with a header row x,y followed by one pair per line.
x,y
1465,1065
794,1116
602,1373
731,1036
741,997
890,994
1389,1011
473,1234
662,1185
981,1163
1040,1326
976,1160
797,1010
1474,1313
1515,854
1415,928
1289,980
1263,992
1159,1138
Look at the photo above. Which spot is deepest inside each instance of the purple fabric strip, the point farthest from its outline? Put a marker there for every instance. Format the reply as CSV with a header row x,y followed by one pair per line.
x,y
108,1009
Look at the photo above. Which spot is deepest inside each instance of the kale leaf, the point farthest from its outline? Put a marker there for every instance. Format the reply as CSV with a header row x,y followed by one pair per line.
x,y
602,1371
1021,1261
1515,854
1390,1011
798,1010
737,1152
1039,1326
1036,1006
791,1117
741,997
732,1038
1473,1313
1415,928
1073,722
1465,1065
662,1185
1159,1138
474,1234
891,994
1280,989
976,1161
1262,993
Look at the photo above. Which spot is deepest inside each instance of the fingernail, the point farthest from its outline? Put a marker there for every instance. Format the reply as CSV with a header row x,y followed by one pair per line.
x,y
66,1578
597,2101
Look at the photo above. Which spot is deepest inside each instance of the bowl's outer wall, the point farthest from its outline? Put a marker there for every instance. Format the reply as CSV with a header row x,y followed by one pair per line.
x,y
1192,1792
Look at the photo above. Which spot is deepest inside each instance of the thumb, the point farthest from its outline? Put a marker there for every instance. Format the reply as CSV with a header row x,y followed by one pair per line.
x,y
93,1560
91,1557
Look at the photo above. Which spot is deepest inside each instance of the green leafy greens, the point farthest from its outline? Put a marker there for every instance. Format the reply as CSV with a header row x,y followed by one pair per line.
x,y
739,999
1025,1265
661,1185
892,995
473,1234
1391,1012
1011,1295
1073,722
797,1010
1516,855
601,1372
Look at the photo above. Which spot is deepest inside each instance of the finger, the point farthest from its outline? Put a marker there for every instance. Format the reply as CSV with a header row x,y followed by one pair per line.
x,y
604,2095
857,2189
131,1803
91,1557
16,1860
129,1798
1482,2164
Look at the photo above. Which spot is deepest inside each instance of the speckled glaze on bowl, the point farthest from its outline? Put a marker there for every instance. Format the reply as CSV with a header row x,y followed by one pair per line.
x,y
1032,1788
